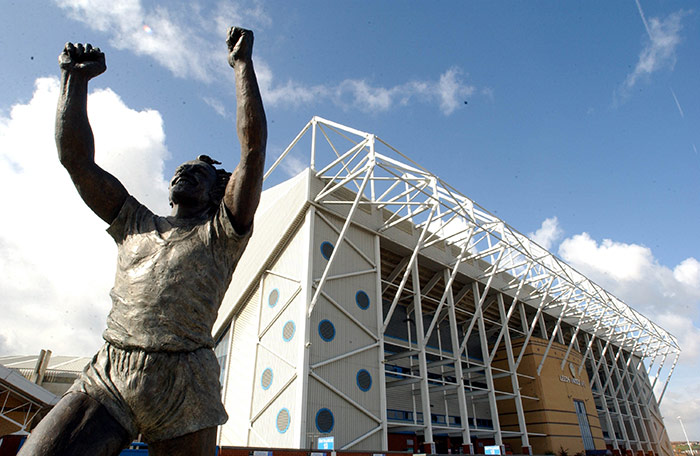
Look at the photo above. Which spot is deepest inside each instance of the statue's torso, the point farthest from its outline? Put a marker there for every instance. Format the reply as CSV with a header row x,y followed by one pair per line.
x,y
171,278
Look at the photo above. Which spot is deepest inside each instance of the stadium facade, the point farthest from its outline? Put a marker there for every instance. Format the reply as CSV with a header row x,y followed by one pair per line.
x,y
378,307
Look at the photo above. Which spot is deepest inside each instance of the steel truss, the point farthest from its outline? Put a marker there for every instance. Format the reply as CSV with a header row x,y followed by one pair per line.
x,y
495,284
17,408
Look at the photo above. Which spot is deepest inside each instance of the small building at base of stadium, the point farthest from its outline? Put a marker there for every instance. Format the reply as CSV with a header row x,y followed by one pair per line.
x,y
379,308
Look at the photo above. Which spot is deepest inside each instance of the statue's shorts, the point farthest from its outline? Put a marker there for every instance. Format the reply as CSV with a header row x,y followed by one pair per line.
x,y
161,395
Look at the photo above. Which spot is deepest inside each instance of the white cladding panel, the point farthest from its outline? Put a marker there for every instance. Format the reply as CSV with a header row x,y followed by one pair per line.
x,y
275,426
238,390
279,207
281,336
343,321
348,422
349,260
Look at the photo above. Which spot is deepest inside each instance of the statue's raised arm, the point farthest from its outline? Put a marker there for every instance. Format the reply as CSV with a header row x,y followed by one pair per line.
x,y
100,190
243,190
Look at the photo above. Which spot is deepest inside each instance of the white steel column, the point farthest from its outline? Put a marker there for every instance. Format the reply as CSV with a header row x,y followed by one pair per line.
x,y
498,437
461,397
527,449
616,390
304,318
615,402
422,363
622,377
380,323
673,367
603,399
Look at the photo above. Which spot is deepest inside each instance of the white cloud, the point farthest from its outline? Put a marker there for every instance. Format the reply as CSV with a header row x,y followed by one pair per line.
x,y
660,51
57,262
548,233
669,297
188,40
688,272
619,261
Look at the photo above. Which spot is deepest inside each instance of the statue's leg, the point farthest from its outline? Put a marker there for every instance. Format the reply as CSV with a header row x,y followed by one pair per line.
x,y
77,425
200,443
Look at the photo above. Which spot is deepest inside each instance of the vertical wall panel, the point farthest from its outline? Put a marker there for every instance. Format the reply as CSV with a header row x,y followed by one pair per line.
x,y
238,394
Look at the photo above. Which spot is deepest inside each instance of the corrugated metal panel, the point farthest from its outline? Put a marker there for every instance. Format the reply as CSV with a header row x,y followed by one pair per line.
x,y
280,209
349,260
400,397
348,423
345,291
277,293
347,336
280,412
347,319
344,376
238,391
271,375
284,277
284,335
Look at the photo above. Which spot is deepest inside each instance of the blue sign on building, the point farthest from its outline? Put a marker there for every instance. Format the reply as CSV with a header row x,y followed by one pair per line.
x,y
325,443
492,449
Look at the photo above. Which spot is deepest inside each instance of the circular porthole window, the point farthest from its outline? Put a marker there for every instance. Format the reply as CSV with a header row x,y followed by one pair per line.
x,y
326,330
364,380
282,421
324,421
266,378
288,331
362,300
327,250
273,297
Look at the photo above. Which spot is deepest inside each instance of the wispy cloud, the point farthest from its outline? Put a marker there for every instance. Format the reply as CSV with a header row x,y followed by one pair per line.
x,y
185,38
188,40
664,36
447,92
216,105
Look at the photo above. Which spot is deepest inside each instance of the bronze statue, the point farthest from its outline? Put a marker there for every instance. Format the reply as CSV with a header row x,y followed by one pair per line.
x,y
156,373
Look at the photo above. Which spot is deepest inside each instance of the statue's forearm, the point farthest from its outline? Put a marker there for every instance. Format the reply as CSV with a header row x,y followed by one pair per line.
x,y
74,138
243,190
250,114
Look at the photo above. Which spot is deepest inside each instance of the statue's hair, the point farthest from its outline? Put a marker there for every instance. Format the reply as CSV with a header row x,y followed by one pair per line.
x,y
222,178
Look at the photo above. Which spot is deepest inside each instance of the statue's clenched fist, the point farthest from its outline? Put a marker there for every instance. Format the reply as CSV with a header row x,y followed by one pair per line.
x,y
84,60
240,45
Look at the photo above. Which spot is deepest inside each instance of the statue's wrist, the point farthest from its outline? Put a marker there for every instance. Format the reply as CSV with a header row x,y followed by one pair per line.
x,y
242,63
73,78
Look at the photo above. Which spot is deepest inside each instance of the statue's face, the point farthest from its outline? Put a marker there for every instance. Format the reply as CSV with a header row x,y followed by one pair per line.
x,y
192,183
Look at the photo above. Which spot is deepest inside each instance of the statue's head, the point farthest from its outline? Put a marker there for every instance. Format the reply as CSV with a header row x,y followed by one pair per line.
x,y
198,184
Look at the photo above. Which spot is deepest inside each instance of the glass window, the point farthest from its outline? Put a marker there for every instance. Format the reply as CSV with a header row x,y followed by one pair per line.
x,y
584,425
221,352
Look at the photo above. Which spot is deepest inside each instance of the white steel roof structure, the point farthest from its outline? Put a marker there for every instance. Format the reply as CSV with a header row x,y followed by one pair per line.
x,y
382,178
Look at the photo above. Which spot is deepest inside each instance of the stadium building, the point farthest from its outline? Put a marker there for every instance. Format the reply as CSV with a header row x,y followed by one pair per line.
x,y
378,308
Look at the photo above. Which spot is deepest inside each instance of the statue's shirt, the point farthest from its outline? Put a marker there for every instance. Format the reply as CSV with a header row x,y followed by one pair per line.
x,y
172,275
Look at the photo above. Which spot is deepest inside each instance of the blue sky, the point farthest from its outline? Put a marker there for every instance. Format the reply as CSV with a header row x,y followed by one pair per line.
x,y
576,122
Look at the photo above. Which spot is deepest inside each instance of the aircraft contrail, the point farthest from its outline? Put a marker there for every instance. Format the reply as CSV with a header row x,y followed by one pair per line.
x,y
644,19
678,105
